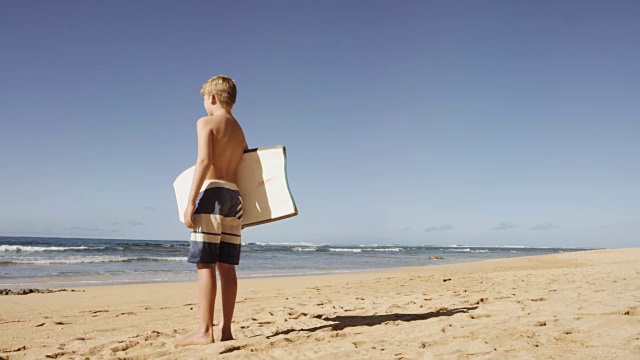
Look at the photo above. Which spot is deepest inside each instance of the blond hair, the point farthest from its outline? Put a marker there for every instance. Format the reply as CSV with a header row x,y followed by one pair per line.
x,y
224,89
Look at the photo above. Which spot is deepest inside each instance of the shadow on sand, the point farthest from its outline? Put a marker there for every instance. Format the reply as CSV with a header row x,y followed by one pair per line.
x,y
341,322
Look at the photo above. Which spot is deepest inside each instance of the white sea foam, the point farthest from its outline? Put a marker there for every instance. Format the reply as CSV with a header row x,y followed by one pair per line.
x,y
309,272
345,250
171,258
285,244
27,248
94,259
304,248
309,247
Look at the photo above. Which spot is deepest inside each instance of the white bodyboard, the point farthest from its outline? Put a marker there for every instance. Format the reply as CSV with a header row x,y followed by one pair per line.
x,y
263,185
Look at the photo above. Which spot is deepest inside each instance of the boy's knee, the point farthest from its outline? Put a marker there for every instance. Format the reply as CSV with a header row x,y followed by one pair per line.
x,y
222,267
201,266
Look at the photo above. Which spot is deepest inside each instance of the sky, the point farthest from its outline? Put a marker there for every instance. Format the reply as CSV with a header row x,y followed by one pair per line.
x,y
413,122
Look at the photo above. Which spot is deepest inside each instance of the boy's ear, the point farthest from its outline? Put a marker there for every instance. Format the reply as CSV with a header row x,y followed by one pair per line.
x,y
213,100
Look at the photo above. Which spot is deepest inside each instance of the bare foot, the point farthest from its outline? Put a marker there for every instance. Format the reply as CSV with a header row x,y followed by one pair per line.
x,y
220,335
196,338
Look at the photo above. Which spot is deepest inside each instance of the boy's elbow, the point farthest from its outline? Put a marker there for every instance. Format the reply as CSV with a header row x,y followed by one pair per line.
x,y
203,162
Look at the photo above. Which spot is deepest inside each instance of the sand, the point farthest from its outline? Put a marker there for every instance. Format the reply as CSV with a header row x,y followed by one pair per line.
x,y
583,305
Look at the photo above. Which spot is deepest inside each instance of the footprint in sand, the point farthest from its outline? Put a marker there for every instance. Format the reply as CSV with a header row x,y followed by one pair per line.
x,y
479,316
229,349
152,335
55,323
21,348
124,346
299,315
126,313
57,354
96,311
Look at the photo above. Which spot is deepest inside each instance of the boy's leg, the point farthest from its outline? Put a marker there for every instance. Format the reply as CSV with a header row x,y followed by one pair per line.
x,y
207,298
229,289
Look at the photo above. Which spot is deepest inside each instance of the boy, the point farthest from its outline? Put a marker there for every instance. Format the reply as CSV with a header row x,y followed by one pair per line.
x,y
216,220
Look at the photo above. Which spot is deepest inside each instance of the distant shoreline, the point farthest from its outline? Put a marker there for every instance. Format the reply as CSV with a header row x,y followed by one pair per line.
x,y
62,262
56,286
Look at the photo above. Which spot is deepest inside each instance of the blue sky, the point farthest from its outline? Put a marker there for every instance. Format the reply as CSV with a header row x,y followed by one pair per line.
x,y
479,123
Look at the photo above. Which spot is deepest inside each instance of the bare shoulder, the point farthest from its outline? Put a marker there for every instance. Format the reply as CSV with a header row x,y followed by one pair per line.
x,y
207,121
216,121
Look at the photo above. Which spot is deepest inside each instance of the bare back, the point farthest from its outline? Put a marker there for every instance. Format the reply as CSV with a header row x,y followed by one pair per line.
x,y
227,146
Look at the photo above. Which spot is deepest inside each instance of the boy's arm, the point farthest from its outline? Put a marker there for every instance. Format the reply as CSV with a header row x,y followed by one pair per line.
x,y
204,159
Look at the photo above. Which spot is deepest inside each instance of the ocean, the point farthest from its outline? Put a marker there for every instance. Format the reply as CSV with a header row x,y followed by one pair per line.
x,y
36,262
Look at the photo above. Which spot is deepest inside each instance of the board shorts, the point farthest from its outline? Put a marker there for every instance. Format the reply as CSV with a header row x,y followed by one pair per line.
x,y
217,224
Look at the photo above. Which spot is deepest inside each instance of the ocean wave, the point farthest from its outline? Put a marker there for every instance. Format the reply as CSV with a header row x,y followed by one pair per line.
x,y
382,249
304,249
469,250
26,248
311,272
388,249
298,244
91,259
385,245
344,250
313,248
147,244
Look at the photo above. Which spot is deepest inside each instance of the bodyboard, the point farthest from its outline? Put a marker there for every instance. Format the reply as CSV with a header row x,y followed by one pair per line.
x,y
263,185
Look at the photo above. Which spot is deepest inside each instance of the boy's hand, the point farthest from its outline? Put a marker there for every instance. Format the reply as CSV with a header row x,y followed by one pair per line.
x,y
188,215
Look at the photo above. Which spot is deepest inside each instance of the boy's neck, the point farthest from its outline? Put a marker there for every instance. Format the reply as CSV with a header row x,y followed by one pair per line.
x,y
219,110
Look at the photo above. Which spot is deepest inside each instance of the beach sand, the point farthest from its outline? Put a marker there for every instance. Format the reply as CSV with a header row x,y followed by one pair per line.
x,y
580,305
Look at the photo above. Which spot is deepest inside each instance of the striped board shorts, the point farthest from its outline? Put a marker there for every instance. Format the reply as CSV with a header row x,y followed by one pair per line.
x,y
217,224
